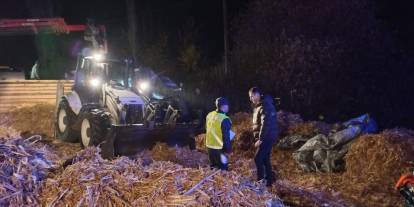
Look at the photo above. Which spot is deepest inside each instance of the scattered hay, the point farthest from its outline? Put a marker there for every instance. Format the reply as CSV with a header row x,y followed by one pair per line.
x,y
295,187
373,165
292,193
238,118
375,162
24,164
36,119
200,141
242,126
181,155
8,132
125,182
286,120
309,129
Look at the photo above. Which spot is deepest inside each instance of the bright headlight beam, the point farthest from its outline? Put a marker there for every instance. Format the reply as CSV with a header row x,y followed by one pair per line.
x,y
95,82
98,56
144,85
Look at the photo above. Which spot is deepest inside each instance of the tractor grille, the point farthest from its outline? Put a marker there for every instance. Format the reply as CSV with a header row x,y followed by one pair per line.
x,y
134,114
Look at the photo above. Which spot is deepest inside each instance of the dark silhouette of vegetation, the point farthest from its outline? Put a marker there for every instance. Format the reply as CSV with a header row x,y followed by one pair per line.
x,y
332,58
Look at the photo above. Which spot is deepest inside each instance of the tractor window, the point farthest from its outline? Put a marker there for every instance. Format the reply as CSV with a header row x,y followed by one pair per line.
x,y
117,74
81,74
145,74
90,70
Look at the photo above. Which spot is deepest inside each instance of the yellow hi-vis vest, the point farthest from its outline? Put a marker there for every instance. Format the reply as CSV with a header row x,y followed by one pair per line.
x,y
214,135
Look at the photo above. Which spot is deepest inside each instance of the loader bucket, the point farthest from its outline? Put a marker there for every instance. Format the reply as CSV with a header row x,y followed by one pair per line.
x,y
131,139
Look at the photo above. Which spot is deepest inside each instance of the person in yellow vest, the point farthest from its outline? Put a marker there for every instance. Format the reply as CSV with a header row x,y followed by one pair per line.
x,y
218,126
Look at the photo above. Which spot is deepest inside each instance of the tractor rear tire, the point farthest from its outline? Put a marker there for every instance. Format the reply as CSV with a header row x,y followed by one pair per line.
x,y
65,119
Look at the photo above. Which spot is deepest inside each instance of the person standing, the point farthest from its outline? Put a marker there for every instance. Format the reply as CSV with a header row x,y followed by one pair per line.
x,y
34,74
265,133
218,126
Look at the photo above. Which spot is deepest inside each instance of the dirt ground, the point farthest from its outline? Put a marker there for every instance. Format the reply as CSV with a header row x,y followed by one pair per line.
x,y
373,163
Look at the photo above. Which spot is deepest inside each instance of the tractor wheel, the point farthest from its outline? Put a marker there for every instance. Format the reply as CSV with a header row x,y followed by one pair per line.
x,y
65,120
94,127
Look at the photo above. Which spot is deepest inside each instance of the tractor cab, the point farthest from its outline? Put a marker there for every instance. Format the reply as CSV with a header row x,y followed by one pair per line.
x,y
93,72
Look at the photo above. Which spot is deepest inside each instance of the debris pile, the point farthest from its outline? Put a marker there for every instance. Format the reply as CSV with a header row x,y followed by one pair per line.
x,y
309,129
92,180
241,117
36,119
244,136
24,164
291,193
8,132
375,162
201,142
373,165
242,126
287,120
180,177
180,155
243,164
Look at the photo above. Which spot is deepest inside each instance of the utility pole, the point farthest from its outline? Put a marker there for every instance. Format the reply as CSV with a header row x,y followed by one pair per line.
x,y
132,26
226,41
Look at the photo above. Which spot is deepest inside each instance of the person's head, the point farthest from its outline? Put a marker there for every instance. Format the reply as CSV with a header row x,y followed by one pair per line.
x,y
222,104
254,95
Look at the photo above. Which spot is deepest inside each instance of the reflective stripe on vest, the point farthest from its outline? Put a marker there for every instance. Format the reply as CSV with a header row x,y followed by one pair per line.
x,y
214,135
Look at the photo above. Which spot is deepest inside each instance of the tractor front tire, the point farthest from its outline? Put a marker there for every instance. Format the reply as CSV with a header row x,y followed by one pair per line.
x,y
94,127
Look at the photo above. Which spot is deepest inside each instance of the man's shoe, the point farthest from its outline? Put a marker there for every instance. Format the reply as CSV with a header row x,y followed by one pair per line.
x,y
269,184
274,175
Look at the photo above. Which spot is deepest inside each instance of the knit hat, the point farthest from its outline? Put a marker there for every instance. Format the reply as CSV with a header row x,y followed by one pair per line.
x,y
221,101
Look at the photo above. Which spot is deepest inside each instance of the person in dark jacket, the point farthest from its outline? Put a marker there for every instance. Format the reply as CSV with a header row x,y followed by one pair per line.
x,y
265,133
218,127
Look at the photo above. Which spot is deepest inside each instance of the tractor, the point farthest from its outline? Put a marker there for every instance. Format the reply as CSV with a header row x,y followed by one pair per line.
x,y
123,108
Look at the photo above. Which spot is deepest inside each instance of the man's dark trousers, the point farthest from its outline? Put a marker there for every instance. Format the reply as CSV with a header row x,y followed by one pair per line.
x,y
262,160
215,159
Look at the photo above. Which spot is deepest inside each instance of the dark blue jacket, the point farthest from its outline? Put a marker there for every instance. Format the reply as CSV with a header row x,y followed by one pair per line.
x,y
225,129
265,120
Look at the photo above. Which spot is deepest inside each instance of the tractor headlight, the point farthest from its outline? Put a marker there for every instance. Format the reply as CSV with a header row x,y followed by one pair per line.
x,y
144,85
95,82
98,57
157,96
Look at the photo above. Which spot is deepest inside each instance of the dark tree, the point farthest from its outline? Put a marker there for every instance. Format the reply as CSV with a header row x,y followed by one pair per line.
x,y
322,57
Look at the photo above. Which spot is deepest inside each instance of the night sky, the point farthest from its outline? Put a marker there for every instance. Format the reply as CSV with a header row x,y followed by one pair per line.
x,y
169,15
166,16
